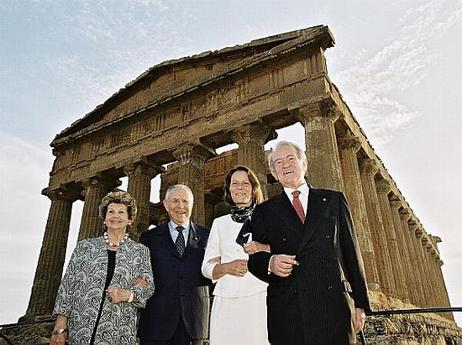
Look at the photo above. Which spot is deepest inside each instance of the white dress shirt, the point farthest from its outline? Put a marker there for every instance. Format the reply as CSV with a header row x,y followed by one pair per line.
x,y
174,232
304,191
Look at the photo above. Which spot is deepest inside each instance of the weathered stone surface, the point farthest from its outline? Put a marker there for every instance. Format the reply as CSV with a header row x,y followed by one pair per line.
x,y
349,147
408,329
35,334
52,254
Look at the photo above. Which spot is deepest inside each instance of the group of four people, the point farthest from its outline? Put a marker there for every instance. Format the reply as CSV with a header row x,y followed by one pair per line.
x,y
288,270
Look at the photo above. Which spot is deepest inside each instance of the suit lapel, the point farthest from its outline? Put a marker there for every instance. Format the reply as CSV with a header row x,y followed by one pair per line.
x,y
283,208
164,234
315,213
193,239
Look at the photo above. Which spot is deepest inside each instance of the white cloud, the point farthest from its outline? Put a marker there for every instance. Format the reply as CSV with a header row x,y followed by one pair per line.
x,y
24,173
95,66
161,5
24,168
376,82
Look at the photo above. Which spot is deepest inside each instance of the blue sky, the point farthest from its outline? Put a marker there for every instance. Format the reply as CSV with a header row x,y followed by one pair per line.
x,y
396,64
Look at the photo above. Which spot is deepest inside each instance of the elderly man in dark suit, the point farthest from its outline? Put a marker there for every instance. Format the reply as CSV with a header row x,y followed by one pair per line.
x,y
317,293
178,312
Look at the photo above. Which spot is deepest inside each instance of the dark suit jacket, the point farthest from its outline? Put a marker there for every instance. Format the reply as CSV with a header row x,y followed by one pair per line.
x,y
314,304
181,290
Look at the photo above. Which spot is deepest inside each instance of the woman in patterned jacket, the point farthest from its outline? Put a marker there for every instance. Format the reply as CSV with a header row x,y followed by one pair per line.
x,y
108,278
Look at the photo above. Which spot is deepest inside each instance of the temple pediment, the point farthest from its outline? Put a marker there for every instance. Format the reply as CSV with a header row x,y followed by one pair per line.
x,y
173,79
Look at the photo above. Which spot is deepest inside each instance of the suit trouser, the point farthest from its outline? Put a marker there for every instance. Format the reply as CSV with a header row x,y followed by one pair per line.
x,y
180,337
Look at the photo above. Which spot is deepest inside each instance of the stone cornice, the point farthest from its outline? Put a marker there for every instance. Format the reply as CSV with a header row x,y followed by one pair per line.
x,y
255,132
383,186
192,153
143,168
404,214
369,166
101,179
323,106
349,141
61,193
323,37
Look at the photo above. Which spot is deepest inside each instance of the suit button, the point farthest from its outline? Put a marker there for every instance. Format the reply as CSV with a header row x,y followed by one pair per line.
x,y
327,236
284,239
295,291
330,287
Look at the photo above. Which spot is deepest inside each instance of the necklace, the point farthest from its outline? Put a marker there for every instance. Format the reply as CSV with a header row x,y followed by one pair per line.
x,y
116,244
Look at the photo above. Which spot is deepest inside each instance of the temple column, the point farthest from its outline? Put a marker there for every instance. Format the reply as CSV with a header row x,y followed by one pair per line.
x,y
324,169
209,210
444,291
95,188
52,255
442,295
434,258
405,261
368,168
442,298
349,146
191,159
212,199
399,265
432,279
140,175
421,251
251,153
439,273
389,246
418,263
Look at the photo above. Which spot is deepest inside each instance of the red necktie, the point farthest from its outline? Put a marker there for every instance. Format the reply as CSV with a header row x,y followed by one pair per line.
x,y
297,204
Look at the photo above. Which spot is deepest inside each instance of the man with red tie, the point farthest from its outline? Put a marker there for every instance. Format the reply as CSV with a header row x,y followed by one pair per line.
x,y
317,293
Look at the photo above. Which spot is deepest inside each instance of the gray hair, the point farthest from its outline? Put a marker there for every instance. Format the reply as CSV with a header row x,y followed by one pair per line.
x,y
179,185
298,151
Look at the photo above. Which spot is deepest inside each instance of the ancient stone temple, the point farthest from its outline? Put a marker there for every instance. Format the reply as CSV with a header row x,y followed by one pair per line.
x,y
173,117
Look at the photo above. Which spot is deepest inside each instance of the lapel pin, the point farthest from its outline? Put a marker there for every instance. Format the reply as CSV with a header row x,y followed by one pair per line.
x,y
324,199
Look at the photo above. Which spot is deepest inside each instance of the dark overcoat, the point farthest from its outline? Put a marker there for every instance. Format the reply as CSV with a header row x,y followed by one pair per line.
x,y
314,305
181,289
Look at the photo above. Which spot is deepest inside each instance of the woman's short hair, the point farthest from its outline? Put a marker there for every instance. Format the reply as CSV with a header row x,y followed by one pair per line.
x,y
118,197
257,195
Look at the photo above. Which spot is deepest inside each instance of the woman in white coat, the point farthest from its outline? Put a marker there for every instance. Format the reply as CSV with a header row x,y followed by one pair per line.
x,y
239,305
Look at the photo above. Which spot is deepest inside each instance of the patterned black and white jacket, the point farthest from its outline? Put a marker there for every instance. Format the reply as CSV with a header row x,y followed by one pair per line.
x,y
79,295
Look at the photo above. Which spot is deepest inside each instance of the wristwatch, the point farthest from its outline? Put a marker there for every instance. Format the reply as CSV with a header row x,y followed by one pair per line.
x,y
57,331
